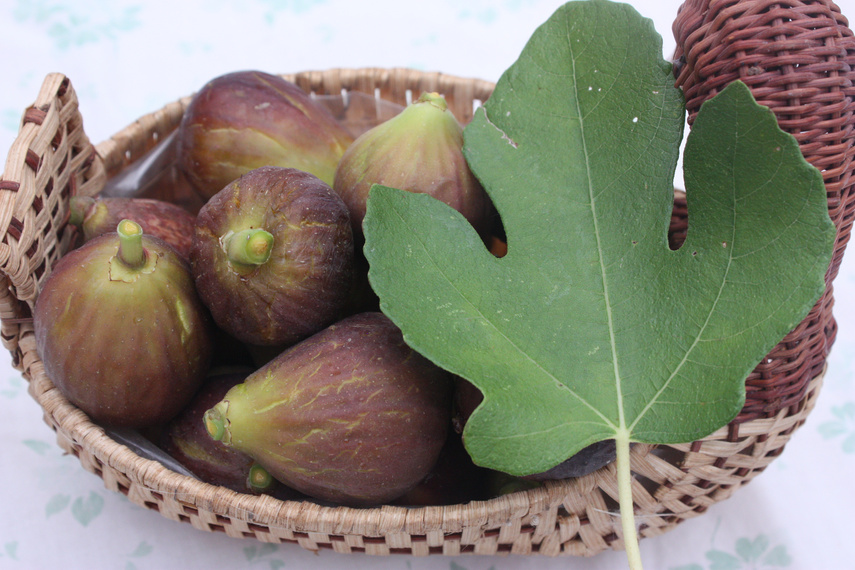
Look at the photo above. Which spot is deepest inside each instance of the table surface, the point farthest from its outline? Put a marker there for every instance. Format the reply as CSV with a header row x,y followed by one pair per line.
x,y
127,58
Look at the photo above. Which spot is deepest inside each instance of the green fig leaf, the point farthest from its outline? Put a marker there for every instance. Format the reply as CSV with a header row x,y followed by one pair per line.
x,y
591,327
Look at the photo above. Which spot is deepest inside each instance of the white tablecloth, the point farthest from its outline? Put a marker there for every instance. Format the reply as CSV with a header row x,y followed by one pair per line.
x,y
127,58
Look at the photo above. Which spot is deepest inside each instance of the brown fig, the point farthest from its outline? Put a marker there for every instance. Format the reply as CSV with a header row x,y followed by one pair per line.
x,y
351,415
169,222
121,331
247,119
418,150
273,256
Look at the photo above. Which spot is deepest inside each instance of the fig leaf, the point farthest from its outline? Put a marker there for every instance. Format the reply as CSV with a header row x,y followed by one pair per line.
x,y
591,327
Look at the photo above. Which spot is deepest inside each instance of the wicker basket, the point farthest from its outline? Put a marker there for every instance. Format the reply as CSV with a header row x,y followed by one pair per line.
x,y
798,57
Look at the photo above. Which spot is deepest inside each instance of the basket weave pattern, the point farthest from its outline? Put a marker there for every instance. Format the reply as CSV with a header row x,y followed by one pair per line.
x,y
809,83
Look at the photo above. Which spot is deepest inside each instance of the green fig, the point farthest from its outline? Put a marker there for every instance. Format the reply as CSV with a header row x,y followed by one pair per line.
x,y
121,331
418,150
351,415
273,256
247,119
169,222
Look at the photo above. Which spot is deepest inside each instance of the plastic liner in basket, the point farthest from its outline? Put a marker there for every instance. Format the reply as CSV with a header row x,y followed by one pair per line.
x,y
52,160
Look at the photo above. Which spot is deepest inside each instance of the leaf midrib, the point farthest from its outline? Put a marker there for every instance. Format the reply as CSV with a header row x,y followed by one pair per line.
x,y
600,255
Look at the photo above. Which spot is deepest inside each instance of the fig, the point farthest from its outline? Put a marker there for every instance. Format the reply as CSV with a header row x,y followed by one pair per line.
x,y
186,440
418,150
589,459
247,119
121,331
351,415
169,222
454,479
273,256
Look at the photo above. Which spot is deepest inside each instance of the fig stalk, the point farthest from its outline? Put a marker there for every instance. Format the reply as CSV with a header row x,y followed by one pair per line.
x,y
131,251
78,206
248,247
259,478
215,421
434,99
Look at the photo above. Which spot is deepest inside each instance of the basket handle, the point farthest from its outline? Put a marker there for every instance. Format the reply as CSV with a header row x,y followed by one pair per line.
x,y
799,61
50,160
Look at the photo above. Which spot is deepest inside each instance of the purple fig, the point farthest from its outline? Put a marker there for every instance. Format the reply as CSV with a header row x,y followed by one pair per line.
x,y
121,331
187,441
454,479
247,119
419,150
169,222
273,256
351,415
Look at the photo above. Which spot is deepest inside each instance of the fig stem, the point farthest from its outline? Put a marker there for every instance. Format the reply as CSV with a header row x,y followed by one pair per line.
x,y
78,207
248,247
434,99
131,251
259,479
215,423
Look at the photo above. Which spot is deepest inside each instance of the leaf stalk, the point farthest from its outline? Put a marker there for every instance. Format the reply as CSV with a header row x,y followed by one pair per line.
x,y
627,507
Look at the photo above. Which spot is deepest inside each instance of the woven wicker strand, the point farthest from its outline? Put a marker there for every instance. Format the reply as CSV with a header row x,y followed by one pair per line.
x,y
52,159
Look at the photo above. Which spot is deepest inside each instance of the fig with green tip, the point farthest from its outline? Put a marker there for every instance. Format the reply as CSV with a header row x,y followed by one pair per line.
x,y
418,150
187,441
351,415
273,256
169,222
121,331
247,119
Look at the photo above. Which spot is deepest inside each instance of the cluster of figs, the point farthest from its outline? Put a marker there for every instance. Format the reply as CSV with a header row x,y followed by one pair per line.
x,y
243,338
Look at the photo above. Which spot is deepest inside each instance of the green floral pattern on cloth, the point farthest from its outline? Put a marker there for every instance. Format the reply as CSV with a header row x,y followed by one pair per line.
x,y
842,428
77,24
747,554
127,58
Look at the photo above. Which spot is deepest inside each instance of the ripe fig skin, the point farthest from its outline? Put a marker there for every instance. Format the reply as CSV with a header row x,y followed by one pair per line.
x,y
129,354
418,150
304,284
454,479
247,119
351,415
169,222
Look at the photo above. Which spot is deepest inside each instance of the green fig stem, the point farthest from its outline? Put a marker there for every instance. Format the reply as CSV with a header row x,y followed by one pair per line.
x,y
248,247
259,479
78,206
215,423
131,251
434,99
